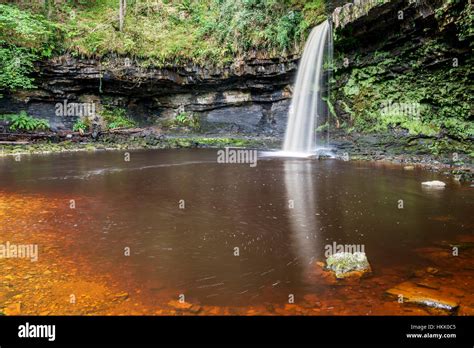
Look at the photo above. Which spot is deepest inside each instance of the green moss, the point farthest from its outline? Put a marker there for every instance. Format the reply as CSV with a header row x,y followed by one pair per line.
x,y
435,75
442,95
196,141
112,142
342,263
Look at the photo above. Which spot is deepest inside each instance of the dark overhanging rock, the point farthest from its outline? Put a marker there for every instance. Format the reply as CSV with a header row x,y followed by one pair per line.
x,y
154,93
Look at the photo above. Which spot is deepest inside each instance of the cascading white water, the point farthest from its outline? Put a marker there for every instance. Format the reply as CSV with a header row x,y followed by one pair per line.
x,y
307,98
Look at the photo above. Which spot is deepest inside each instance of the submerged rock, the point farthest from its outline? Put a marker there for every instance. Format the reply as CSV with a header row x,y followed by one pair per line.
x,y
422,295
434,183
122,296
180,305
348,264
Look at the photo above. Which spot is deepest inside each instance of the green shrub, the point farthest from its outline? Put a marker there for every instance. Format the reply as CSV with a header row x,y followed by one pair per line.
x,y
116,118
23,122
16,63
169,32
24,38
187,119
81,125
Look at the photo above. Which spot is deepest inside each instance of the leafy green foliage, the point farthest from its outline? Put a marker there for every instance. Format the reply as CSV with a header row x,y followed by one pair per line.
x,y
81,125
24,38
27,29
23,122
187,119
116,118
466,24
16,63
168,32
442,91
254,24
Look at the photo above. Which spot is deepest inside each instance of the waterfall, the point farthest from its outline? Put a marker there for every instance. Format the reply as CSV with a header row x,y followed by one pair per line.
x,y
306,104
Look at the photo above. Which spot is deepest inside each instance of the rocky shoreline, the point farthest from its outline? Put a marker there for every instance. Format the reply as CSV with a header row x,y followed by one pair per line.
x,y
447,156
409,152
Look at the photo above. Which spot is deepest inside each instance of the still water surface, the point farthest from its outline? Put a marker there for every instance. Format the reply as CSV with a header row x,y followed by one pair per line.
x,y
182,216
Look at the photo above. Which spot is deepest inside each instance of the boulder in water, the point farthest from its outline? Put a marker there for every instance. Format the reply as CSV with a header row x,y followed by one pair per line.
x,y
434,183
346,265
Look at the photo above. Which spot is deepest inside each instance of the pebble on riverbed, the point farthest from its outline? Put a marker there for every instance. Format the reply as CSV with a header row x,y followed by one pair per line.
x,y
345,265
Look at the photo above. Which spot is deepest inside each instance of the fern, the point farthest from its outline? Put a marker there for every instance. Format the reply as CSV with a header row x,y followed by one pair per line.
x,y
23,122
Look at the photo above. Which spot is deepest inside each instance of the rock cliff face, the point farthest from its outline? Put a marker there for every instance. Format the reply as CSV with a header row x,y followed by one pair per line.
x,y
413,55
249,97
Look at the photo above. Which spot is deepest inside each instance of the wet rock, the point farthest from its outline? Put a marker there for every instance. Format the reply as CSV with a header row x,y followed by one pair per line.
x,y
358,26
195,309
435,299
434,183
260,88
352,11
432,272
180,305
427,285
346,265
121,297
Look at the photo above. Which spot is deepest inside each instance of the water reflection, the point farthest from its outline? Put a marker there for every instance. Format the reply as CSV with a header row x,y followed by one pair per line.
x,y
191,251
301,195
